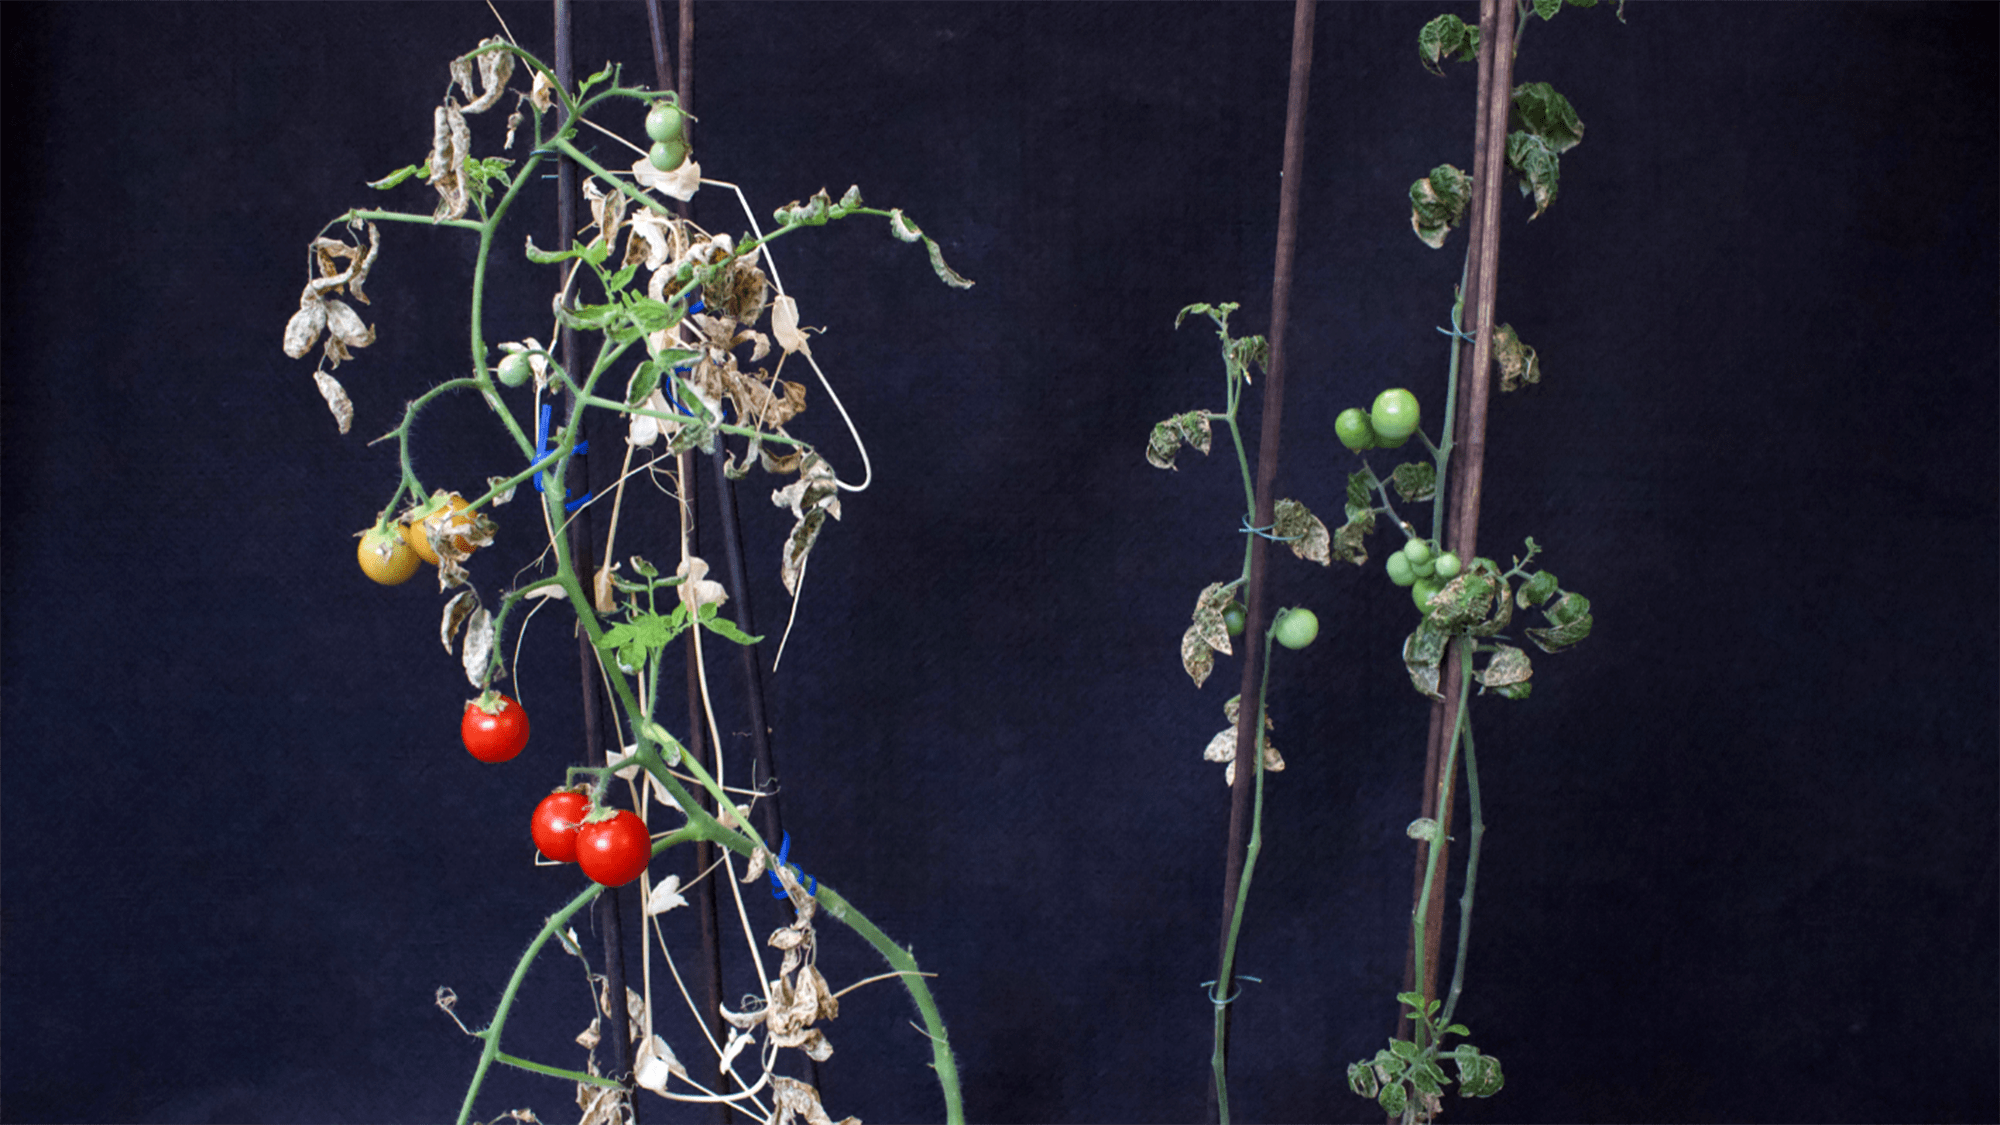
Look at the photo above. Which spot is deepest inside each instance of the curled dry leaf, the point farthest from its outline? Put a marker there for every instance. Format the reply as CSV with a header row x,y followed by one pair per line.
x,y
336,399
478,650
793,1099
785,325
495,68
656,1062
665,896
812,498
304,328
456,611
759,860
681,183
650,243
542,93
607,212
697,589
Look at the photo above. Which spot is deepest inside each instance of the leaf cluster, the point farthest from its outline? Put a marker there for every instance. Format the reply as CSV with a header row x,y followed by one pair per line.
x,y
1407,1081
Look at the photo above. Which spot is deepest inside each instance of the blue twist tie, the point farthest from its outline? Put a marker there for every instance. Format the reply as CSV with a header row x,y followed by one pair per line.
x,y
777,887
1210,986
1466,336
1266,533
543,455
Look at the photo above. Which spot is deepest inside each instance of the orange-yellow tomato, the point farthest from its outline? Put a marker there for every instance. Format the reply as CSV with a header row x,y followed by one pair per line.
x,y
440,522
386,557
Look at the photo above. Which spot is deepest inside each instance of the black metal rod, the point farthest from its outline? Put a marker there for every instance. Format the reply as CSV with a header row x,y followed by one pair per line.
x,y
615,1027
1249,740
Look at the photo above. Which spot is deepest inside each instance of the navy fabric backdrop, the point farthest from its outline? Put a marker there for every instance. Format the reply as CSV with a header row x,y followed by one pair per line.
x,y
1741,863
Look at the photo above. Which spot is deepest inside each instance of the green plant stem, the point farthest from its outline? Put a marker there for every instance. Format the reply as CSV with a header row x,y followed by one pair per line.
x,y
1442,453
1445,775
556,1071
1218,1058
491,1034
1471,869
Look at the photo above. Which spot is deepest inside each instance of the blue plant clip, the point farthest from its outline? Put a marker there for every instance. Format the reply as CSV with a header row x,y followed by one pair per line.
x,y
777,887
543,454
1266,532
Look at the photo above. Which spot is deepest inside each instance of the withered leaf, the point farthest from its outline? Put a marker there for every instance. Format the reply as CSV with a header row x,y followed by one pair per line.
x,y
336,399
303,329
478,651
1302,531
785,325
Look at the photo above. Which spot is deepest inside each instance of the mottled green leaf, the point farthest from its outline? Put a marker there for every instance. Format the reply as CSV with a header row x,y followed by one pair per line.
x,y
1445,37
1422,650
1166,438
1360,495
1426,1076
645,377
1464,601
1403,1049
1547,9
1537,589
1196,656
945,273
1350,542
1361,1080
1507,667
1518,363
1415,480
1538,109
1437,202
1569,622
1302,531
395,177
1393,1100
1530,158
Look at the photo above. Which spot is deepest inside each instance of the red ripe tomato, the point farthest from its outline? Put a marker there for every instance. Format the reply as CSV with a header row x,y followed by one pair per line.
x,y
555,824
494,736
613,852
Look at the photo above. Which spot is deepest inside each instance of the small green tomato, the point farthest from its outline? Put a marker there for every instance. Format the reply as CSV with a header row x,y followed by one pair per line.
x,y
668,155
1448,566
1417,551
663,122
1297,628
1422,592
1394,416
1353,429
1233,618
514,370
1399,569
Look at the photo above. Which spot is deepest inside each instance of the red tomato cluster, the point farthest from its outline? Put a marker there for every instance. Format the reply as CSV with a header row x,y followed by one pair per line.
x,y
612,852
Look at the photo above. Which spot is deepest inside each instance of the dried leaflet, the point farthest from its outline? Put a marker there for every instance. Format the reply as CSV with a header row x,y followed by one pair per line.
x,y
785,325
336,399
1222,748
793,1099
812,498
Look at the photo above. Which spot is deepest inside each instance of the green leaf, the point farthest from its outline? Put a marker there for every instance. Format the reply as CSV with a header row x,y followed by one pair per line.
x,y
1166,438
1507,667
1518,363
614,282
395,177
1360,495
1531,159
644,567
1361,1080
543,257
1547,9
1424,1076
1217,313
1415,1000
1537,108
1403,1049
1422,651
589,318
1537,589
1445,37
1348,542
600,76
723,627
1457,1029
1393,1100
1465,600
644,379
1303,531
1415,480
1569,621
1437,202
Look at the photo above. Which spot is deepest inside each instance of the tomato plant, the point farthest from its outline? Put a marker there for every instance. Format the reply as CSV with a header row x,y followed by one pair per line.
x,y
496,735
385,557
614,851
555,823
1297,628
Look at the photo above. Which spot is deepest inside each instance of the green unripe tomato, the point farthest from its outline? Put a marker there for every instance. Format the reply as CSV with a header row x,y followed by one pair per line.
x,y
1423,569
1417,551
668,155
1353,429
663,122
1384,443
1233,618
1297,628
1423,590
513,370
1399,569
1394,416
1447,566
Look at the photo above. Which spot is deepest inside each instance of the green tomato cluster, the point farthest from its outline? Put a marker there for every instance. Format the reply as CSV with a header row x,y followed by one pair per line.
x,y
1424,569
1388,424
666,124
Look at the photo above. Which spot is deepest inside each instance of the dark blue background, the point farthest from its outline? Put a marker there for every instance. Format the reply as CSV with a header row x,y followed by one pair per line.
x,y
1741,858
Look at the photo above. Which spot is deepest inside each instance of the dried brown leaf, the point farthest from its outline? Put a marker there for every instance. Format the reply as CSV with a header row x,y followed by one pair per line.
x,y
304,328
336,399
785,325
